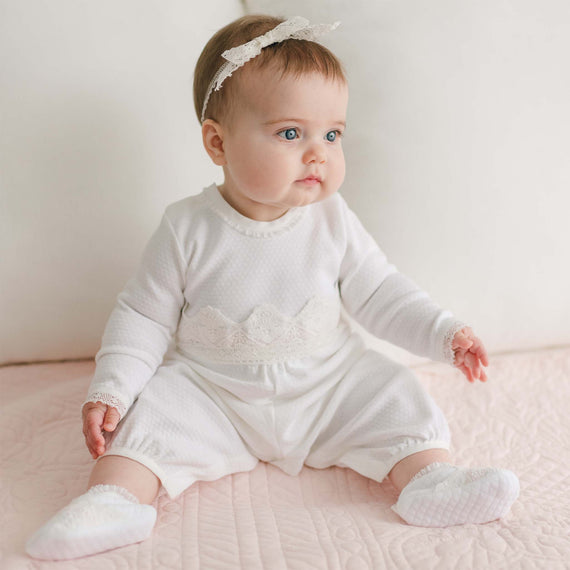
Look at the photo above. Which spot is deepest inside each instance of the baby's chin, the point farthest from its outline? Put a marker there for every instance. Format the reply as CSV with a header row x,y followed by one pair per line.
x,y
311,195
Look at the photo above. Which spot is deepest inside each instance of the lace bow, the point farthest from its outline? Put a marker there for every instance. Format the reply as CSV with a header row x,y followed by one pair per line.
x,y
297,28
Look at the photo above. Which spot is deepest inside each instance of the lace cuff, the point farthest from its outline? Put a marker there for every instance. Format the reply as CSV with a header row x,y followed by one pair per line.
x,y
448,353
109,400
100,489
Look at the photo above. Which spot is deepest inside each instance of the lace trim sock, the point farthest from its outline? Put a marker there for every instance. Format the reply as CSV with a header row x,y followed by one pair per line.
x,y
443,495
105,517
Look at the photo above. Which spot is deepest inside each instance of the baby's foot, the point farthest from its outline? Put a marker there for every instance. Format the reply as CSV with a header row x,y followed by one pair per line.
x,y
444,495
105,517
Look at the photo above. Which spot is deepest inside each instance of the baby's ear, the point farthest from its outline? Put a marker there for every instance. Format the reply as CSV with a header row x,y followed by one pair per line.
x,y
213,139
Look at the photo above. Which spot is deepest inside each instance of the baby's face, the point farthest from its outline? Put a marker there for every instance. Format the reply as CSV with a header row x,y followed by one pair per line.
x,y
284,148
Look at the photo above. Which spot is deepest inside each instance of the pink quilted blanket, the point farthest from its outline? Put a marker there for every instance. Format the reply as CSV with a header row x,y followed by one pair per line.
x,y
323,519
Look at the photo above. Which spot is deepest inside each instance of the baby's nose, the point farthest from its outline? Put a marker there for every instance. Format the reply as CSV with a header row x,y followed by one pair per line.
x,y
315,154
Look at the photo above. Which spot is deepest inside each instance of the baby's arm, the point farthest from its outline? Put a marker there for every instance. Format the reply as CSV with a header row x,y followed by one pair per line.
x,y
142,323
96,418
386,302
394,308
470,355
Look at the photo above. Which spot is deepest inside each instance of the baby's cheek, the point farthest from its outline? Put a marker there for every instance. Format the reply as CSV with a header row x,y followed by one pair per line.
x,y
338,169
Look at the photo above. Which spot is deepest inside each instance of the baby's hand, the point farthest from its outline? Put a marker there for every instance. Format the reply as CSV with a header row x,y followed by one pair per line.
x,y
470,355
96,418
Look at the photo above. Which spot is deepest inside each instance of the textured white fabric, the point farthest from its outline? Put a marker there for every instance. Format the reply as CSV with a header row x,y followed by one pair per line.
x,y
105,517
259,363
445,495
207,259
198,420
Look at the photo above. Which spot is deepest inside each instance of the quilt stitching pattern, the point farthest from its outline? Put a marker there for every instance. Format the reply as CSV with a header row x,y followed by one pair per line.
x,y
331,519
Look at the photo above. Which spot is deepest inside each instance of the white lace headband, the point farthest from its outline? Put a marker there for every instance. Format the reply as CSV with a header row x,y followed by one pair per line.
x,y
296,28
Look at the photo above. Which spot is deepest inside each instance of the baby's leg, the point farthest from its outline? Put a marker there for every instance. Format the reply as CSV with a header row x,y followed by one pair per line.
x,y
110,514
403,472
126,473
383,422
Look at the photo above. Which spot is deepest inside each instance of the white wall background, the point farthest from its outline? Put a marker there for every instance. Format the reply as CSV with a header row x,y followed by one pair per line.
x,y
97,135
458,153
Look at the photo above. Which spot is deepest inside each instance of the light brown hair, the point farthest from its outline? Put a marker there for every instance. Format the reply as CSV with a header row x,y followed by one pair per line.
x,y
295,57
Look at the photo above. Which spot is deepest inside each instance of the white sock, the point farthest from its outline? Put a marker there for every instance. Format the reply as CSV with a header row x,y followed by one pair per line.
x,y
444,495
105,517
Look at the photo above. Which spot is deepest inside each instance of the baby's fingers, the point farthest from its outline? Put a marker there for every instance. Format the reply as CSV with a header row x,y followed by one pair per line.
x,y
111,420
462,339
93,417
459,358
93,436
474,364
467,372
480,351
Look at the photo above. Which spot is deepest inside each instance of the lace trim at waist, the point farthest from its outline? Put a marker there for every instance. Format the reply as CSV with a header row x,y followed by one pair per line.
x,y
265,336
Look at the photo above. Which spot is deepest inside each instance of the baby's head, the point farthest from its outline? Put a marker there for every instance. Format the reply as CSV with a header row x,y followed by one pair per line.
x,y
294,57
273,114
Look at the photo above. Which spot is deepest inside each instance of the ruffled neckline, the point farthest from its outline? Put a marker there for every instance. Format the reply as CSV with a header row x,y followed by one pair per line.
x,y
246,225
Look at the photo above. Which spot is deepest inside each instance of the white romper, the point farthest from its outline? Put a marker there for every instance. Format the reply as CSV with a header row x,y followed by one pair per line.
x,y
228,346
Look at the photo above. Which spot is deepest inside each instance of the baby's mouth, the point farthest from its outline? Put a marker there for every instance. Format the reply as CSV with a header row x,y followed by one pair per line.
x,y
311,180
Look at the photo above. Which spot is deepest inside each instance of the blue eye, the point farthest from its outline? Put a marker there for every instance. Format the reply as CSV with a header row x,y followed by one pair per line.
x,y
332,136
289,134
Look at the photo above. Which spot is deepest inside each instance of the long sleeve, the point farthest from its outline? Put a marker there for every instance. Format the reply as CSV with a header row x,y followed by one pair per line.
x,y
142,323
387,303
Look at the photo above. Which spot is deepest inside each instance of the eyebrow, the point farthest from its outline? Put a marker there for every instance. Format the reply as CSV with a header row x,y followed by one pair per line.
x,y
294,120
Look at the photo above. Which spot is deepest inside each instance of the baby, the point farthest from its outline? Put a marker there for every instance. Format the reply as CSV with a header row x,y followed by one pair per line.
x,y
228,345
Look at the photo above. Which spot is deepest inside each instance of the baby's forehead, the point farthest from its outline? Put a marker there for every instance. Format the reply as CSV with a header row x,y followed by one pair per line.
x,y
263,94
278,72
302,99
264,87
